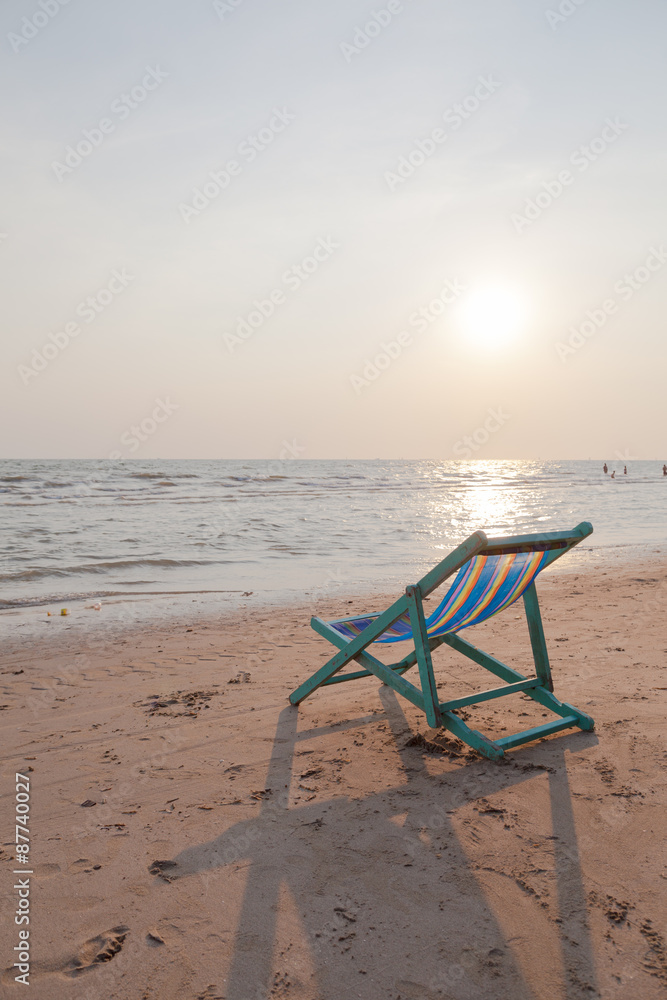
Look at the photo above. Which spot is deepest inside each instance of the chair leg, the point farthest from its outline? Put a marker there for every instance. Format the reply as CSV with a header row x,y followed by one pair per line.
x,y
561,708
424,662
482,744
312,684
537,640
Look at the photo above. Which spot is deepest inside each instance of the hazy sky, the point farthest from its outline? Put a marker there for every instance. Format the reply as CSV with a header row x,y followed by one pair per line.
x,y
252,228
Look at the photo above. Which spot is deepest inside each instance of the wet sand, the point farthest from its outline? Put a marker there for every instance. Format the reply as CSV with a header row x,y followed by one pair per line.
x,y
195,837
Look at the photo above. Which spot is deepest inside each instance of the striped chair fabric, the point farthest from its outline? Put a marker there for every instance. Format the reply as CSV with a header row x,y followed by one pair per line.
x,y
484,586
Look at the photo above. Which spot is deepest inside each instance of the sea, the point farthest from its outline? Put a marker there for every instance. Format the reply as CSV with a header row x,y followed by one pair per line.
x,y
133,539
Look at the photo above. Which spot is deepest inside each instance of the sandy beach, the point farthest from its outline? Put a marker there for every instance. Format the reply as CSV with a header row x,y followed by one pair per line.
x,y
193,836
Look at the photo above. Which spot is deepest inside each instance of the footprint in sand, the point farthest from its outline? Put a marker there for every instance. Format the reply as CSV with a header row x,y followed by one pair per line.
x,y
93,952
101,948
165,869
46,868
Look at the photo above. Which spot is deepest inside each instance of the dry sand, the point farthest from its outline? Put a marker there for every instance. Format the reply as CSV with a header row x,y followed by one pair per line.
x,y
194,836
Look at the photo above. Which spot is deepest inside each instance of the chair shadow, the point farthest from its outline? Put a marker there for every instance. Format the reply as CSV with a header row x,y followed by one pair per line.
x,y
365,896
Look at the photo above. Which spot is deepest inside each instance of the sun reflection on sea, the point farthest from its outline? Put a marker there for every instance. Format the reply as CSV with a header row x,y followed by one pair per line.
x,y
494,502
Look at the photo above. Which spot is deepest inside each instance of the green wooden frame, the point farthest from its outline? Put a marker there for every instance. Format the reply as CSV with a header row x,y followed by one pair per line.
x,y
425,697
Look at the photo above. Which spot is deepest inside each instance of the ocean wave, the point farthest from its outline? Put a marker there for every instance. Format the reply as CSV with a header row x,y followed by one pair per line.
x,y
66,597
145,475
42,572
161,475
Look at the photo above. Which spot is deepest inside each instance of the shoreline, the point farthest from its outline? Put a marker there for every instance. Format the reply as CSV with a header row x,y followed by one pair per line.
x,y
134,611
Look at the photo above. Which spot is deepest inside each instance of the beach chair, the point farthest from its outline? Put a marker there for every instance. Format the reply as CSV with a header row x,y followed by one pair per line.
x,y
491,574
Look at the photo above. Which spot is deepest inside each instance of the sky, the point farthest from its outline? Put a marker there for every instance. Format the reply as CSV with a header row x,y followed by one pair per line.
x,y
401,229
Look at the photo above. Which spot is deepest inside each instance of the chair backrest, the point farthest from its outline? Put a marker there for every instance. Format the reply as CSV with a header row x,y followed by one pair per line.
x,y
489,581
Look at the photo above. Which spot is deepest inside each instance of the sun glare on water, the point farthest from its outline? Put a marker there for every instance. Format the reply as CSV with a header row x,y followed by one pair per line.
x,y
492,316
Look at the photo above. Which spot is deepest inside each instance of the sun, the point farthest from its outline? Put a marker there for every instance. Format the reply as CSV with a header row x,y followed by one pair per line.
x,y
492,315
